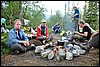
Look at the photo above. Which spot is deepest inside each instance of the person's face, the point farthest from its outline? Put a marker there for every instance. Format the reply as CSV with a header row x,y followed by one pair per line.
x,y
74,8
81,25
17,25
43,23
57,23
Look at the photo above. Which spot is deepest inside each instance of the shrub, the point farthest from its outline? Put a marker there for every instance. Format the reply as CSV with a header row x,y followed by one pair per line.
x,y
4,48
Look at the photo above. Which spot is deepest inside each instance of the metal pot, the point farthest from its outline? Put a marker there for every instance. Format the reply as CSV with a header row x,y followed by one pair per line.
x,y
61,43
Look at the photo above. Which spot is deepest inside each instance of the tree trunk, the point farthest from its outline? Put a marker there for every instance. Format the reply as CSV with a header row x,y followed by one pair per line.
x,y
10,19
11,12
20,9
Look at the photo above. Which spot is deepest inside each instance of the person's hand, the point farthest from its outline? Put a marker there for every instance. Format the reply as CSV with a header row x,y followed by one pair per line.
x,y
44,36
26,43
72,16
76,32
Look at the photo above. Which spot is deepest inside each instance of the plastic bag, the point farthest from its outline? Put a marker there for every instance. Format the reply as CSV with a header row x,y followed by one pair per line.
x,y
69,55
45,53
51,55
39,49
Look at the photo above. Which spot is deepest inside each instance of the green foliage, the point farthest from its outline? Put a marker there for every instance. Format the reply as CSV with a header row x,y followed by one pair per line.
x,y
33,12
9,27
54,19
4,48
10,11
50,30
5,51
91,13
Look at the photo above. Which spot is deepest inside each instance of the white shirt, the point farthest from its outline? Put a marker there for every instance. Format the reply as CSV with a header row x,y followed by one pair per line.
x,y
80,29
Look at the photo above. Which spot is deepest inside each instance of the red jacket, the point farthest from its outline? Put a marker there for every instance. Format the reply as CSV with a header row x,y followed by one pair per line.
x,y
39,31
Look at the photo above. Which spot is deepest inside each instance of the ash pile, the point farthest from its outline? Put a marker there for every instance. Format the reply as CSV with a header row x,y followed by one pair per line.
x,y
61,49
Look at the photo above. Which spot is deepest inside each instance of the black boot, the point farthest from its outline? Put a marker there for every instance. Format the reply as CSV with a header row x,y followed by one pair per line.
x,y
88,47
16,52
79,44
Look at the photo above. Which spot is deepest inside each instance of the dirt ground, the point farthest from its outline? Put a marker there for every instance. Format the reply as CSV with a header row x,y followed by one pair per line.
x,y
31,59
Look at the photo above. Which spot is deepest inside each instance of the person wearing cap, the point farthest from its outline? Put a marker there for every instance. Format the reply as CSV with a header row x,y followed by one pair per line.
x,y
42,31
75,17
17,40
83,32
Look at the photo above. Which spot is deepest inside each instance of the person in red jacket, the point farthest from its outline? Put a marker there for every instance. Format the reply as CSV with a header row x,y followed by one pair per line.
x,y
42,31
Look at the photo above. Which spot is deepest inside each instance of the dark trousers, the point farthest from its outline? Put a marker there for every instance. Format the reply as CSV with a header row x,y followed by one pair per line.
x,y
94,41
41,38
75,23
20,47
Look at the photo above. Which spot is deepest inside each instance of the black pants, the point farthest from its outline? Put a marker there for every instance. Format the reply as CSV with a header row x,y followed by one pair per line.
x,y
20,47
94,41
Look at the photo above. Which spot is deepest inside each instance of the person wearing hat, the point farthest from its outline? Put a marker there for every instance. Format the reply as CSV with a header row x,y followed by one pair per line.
x,y
83,32
42,31
75,17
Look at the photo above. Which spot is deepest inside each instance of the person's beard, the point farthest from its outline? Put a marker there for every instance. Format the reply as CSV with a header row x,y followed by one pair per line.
x,y
17,28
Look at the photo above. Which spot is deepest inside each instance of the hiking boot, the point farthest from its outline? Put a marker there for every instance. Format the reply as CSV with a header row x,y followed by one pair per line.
x,y
73,42
84,46
88,47
79,44
16,52
32,47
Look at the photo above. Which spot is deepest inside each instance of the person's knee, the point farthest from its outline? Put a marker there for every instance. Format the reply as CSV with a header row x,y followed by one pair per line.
x,y
94,40
18,47
75,36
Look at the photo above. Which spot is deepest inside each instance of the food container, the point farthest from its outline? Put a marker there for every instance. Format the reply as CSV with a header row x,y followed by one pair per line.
x,y
63,38
39,49
45,53
51,55
69,55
